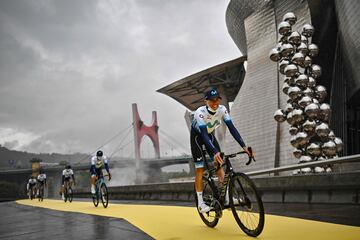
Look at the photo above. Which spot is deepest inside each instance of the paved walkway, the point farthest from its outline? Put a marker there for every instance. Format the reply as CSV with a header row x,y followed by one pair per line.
x,y
133,221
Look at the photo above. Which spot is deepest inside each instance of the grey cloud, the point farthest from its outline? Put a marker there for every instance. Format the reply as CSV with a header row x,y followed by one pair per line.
x,y
70,70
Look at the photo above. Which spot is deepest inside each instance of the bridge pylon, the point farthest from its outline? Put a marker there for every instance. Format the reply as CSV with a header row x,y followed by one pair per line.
x,y
140,129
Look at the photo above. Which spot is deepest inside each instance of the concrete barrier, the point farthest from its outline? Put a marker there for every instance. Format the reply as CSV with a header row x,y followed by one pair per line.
x,y
320,188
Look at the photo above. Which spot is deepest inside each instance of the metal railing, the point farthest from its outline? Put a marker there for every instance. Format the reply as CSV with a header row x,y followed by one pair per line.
x,y
346,159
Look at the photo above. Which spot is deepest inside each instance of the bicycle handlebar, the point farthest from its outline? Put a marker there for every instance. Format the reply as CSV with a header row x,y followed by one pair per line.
x,y
242,152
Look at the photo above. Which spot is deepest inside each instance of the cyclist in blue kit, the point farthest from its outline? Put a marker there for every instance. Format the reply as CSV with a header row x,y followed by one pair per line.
x,y
206,119
97,163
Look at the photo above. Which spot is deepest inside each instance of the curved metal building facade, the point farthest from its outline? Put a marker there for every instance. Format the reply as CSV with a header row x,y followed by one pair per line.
x,y
253,27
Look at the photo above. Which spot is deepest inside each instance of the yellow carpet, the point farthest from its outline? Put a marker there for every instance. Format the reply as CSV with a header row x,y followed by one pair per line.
x,y
171,222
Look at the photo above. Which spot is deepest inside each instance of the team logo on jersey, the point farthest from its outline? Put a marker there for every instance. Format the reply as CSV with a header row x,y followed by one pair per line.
x,y
209,125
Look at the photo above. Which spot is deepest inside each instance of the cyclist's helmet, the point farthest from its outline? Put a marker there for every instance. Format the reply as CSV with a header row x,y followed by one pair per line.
x,y
99,153
68,166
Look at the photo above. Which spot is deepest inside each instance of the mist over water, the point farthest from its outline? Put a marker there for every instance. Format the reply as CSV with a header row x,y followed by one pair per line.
x,y
122,176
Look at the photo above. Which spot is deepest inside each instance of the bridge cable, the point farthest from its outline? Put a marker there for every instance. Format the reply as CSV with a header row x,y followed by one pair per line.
x,y
119,147
109,140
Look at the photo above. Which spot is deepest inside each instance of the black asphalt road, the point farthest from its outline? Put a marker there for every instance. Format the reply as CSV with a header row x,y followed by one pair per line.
x,y
22,222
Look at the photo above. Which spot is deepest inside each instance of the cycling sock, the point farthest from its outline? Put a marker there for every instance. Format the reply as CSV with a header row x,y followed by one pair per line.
x,y
200,197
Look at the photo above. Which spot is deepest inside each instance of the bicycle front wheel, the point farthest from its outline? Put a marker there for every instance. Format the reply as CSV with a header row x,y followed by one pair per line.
x,y
104,195
210,218
65,194
246,204
95,198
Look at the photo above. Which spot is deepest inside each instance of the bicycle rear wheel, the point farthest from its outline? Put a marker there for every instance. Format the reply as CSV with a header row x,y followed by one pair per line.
x,y
70,194
246,204
210,218
104,195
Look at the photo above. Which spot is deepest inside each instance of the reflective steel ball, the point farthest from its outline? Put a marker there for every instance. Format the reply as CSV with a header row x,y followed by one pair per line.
x,y
290,18
293,130
308,30
309,92
303,48
294,142
302,81
302,138
312,110
325,111
307,61
294,92
297,115
284,28
322,130
315,71
286,50
305,159
339,144
329,148
312,82
291,70
304,101
289,107
295,38
314,149
313,50
279,115
298,58
304,39
309,126
285,88
320,92
282,65
297,153
274,55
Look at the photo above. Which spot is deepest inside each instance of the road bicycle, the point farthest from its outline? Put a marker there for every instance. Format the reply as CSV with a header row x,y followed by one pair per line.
x,y
41,192
244,199
32,192
68,191
101,192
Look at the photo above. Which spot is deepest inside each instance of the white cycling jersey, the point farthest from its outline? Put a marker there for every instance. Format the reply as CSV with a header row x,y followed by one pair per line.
x,y
202,117
32,180
99,162
41,177
67,173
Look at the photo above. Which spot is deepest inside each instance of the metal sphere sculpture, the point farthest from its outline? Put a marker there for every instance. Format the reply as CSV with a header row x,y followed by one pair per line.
x,y
305,111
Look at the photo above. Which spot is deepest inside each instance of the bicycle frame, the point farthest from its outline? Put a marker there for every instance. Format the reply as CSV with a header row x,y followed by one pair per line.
x,y
228,173
98,183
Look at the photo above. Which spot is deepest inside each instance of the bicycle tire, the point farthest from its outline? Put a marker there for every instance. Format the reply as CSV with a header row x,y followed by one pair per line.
x,y
249,206
104,195
70,194
209,218
65,194
95,198
41,194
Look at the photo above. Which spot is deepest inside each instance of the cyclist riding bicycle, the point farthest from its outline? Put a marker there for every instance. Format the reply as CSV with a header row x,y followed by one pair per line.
x,y
206,119
97,163
41,180
30,185
68,177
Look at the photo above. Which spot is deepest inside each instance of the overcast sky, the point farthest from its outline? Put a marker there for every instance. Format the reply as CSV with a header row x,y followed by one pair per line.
x,y
70,70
